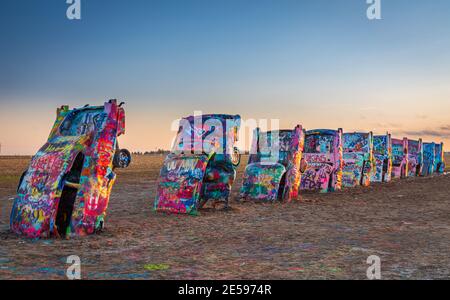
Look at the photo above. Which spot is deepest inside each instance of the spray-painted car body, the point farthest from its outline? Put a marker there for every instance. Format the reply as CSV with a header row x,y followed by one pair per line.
x,y
382,152
415,157
429,158
439,162
323,153
273,170
358,159
400,158
66,189
201,166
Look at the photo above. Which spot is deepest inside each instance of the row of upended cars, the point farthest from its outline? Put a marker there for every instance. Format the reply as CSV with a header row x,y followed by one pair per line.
x,y
66,189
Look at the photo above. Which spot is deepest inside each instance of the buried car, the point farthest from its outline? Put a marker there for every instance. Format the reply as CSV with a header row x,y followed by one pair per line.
x,y
429,157
382,152
439,162
400,158
66,189
415,157
358,159
274,167
323,153
201,166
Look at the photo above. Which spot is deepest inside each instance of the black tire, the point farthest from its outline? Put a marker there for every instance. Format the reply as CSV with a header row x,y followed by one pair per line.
x,y
438,168
20,181
303,166
236,157
226,206
384,172
100,227
122,158
363,172
201,203
330,182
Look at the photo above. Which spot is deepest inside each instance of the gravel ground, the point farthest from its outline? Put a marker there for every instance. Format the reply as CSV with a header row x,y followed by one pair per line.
x,y
320,236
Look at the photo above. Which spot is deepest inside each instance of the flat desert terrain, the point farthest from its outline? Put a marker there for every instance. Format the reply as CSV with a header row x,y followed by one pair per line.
x,y
320,236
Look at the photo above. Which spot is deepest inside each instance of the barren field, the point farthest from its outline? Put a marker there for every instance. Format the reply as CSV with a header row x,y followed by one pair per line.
x,y
406,223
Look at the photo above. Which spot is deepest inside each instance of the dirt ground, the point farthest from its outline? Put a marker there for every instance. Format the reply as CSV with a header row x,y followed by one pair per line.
x,y
322,236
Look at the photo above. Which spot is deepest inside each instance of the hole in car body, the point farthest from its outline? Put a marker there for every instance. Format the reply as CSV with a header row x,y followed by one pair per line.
x,y
71,185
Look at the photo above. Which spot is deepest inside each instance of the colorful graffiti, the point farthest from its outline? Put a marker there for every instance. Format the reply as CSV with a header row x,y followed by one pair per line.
x,y
439,163
382,151
399,158
415,157
429,157
273,172
359,162
323,153
181,187
201,166
66,189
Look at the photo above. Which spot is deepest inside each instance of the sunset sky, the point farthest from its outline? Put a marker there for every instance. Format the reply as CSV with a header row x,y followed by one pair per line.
x,y
318,63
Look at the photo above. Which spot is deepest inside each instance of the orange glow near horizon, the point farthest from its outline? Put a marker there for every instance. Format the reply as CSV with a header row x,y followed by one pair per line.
x,y
25,131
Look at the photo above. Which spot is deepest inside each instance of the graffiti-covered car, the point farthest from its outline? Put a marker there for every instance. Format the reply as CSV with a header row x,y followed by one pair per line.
x,y
400,158
415,157
66,189
382,152
274,167
439,162
323,154
358,159
429,157
201,165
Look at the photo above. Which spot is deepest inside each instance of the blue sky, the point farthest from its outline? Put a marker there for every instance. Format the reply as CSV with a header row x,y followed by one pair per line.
x,y
320,63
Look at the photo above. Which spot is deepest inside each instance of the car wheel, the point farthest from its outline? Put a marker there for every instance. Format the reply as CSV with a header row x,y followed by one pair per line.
x,y
331,188
303,165
201,203
236,157
363,173
122,158
20,181
100,227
